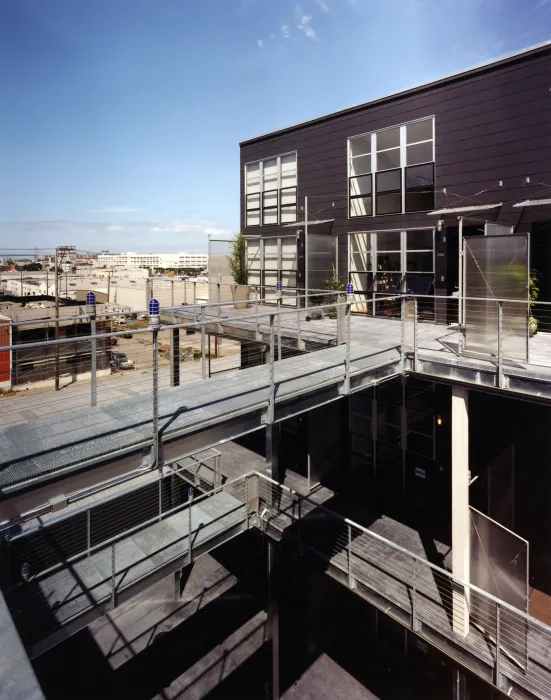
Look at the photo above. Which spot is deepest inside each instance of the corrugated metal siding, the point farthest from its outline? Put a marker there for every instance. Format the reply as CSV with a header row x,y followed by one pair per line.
x,y
490,126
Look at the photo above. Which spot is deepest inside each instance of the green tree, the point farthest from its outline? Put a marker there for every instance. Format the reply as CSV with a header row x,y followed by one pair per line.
x,y
238,260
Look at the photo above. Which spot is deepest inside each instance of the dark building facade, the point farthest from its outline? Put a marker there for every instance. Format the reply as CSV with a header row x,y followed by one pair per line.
x,y
475,145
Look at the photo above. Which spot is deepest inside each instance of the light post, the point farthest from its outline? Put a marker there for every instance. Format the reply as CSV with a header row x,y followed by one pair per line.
x,y
91,311
154,325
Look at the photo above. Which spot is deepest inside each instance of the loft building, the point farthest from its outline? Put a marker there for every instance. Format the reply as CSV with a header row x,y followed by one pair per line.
x,y
379,192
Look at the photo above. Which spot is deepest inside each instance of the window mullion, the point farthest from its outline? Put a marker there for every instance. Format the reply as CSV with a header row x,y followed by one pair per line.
x,y
373,171
403,164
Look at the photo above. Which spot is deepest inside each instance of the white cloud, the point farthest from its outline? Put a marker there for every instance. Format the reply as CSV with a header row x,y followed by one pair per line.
x,y
167,236
324,7
272,35
260,43
304,26
285,31
119,210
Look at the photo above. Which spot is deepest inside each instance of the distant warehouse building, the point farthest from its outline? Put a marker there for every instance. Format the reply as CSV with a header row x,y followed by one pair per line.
x,y
167,260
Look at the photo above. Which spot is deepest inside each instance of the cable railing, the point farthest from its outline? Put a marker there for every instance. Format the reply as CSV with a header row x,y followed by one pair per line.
x,y
507,647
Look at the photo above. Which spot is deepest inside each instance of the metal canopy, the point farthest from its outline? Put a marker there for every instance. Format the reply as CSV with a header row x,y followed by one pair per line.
x,y
459,210
533,203
310,223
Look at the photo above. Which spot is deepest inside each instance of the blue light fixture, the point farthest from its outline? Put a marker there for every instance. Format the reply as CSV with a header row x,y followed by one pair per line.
x,y
90,299
154,318
349,289
279,286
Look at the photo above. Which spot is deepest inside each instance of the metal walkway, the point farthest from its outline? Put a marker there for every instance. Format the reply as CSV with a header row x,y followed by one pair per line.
x,y
509,649
59,445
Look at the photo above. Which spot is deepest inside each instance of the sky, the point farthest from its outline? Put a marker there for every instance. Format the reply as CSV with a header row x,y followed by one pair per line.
x,y
120,120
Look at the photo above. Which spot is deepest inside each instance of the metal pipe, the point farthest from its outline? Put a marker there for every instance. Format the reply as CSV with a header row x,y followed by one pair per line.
x,y
194,291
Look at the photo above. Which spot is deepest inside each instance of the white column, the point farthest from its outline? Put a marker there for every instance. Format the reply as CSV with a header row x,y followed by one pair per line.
x,y
461,550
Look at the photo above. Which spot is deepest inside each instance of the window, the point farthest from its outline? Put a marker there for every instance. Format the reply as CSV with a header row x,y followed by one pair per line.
x,y
271,191
392,171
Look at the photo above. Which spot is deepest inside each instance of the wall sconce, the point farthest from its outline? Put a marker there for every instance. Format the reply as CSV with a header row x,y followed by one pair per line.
x,y
439,420
440,225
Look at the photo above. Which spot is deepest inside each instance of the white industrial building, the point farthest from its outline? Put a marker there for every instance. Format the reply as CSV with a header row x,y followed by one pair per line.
x,y
167,260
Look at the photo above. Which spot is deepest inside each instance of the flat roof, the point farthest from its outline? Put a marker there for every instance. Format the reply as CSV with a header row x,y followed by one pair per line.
x,y
478,68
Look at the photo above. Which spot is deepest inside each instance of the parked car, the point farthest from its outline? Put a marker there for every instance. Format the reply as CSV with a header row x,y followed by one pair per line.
x,y
111,341
126,335
119,360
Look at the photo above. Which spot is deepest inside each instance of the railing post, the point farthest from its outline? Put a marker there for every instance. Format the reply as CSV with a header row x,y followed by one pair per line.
x,y
195,291
351,584
88,532
350,296
413,597
497,669
172,301
190,544
154,324
415,368
271,406
113,584
299,334
341,318
160,492
278,294
203,344
91,308
499,344
218,300
185,292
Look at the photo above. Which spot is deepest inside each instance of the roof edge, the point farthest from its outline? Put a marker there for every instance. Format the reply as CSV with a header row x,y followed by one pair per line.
x,y
478,68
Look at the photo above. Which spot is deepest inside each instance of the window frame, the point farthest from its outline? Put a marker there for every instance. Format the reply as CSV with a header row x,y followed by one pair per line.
x,y
403,145
278,189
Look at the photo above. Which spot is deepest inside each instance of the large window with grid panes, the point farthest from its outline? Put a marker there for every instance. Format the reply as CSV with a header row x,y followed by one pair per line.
x,y
383,264
392,171
271,191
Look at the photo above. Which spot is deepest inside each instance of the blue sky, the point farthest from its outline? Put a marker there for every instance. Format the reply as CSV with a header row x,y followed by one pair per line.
x,y
121,119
